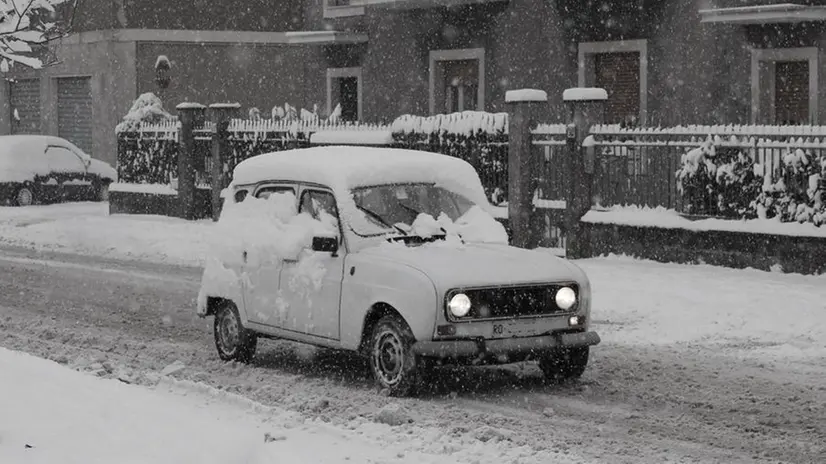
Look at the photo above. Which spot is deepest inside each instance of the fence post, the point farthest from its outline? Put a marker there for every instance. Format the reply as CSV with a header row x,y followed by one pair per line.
x,y
220,115
189,114
523,106
586,108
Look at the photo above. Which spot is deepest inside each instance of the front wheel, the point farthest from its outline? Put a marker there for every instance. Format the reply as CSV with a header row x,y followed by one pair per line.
x,y
392,360
233,341
24,197
565,364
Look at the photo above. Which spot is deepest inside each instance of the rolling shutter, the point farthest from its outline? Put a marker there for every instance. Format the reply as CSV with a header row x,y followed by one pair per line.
x,y
74,111
24,96
619,74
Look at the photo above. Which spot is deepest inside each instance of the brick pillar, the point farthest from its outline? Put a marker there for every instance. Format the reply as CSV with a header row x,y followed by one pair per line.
x,y
586,107
189,114
220,114
523,107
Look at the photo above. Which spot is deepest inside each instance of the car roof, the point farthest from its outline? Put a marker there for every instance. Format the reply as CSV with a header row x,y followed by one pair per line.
x,y
345,167
10,144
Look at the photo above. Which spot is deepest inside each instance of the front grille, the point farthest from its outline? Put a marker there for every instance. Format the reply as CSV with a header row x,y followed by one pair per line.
x,y
509,302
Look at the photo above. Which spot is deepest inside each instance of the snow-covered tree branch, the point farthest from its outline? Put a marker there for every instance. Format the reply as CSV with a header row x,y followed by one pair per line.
x,y
28,23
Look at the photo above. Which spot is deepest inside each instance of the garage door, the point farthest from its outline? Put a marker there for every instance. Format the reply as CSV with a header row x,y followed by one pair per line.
x,y
74,111
24,96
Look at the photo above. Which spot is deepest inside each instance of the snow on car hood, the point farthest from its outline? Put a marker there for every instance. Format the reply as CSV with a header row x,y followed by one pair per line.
x,y
450,264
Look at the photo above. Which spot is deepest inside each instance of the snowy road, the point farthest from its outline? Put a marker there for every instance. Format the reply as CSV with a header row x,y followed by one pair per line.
x,y
670,396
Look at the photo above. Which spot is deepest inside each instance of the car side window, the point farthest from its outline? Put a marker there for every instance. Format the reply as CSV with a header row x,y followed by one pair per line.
x,y
266,192
62,159
321,206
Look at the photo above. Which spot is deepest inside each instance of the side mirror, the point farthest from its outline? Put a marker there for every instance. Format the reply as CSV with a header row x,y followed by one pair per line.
x,y
325,244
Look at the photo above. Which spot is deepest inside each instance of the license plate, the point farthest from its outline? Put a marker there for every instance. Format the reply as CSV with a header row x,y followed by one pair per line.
x,y
510,329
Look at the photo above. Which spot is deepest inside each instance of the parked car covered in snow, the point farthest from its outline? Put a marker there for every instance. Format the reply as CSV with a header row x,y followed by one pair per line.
x,y
45,169
392,253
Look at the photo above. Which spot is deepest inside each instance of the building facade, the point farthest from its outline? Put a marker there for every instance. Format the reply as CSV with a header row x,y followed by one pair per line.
x,y
663,62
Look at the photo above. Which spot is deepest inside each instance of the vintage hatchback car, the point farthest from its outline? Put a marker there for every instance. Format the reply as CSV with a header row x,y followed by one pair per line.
x,y
416,270
47,169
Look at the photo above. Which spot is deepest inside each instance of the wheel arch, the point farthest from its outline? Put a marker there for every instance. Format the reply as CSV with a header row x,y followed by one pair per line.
x,y
376,312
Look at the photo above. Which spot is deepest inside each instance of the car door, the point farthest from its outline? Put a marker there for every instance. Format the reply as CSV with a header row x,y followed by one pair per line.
x,y
67,179
262,302
311,285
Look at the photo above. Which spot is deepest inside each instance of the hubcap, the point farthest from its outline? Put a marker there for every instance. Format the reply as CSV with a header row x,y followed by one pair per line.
x,y
388,357
24,197
228,333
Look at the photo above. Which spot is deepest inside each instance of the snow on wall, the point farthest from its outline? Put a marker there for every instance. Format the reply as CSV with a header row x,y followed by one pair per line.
x,y
670,219
465,123
155,189
353,137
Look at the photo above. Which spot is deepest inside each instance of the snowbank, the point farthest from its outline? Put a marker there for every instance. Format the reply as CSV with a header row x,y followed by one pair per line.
x,y
755,313
54,415
156,189
670,219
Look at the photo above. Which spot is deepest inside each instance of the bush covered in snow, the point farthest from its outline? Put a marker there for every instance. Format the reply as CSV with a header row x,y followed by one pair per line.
x,y
798,195
721,181
718,181
477,137
147,109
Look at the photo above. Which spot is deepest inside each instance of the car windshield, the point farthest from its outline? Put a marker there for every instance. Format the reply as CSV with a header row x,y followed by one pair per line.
x,y
388,206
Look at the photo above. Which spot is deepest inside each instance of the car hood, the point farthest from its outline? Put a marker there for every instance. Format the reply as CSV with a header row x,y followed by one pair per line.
x,y
468,265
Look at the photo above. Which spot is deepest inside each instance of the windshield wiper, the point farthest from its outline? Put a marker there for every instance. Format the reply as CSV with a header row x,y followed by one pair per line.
x,y
380,219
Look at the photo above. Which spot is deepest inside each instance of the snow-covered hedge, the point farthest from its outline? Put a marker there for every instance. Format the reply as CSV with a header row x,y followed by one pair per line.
x,y
718,181
724,181
798,195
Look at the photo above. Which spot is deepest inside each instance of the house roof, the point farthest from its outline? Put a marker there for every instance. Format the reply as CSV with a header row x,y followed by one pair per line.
x,y
764,14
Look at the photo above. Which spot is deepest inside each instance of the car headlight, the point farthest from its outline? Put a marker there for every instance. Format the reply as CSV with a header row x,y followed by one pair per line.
x,y
565,298
459,305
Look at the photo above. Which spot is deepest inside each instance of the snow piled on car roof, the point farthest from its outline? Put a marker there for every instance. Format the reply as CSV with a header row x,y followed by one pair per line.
x,y
343,167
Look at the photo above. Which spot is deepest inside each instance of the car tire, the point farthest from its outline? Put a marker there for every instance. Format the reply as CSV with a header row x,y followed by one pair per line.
x,y
24,197
232,340
392,361
566,364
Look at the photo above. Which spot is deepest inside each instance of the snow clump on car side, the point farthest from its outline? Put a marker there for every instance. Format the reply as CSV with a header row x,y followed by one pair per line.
x,y
261,232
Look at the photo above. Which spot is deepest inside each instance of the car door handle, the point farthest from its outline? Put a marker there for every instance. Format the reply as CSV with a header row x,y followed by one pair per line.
x,y
244,256
290,260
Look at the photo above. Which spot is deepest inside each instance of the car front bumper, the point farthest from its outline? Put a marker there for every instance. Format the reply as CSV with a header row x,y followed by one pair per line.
x,y
504,346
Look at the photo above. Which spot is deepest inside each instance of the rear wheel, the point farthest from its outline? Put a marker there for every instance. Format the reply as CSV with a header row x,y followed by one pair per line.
x,y
564,364
233,341
24,197
392,360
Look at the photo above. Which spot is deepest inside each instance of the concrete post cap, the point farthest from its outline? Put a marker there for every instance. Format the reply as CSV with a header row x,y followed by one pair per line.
x,y
584,94
190,106
526,95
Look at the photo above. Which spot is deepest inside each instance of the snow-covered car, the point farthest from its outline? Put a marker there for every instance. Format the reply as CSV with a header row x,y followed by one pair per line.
x,y
46,169
394,254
